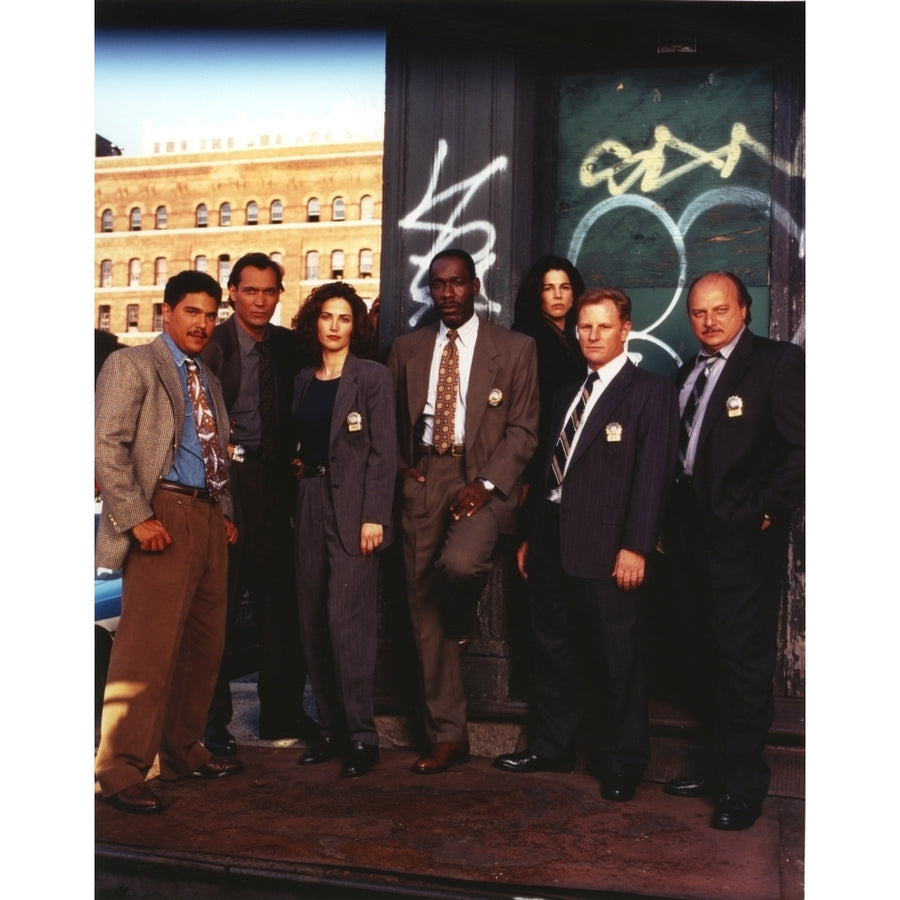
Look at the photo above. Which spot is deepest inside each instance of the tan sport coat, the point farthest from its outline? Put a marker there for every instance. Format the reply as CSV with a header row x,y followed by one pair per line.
x,y
138,418
501,407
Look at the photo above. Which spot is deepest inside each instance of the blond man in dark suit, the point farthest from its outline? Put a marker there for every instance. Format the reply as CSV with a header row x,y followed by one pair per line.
x,y
457,499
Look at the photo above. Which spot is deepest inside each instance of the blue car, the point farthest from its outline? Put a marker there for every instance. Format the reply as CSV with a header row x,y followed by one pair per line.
x,y
107,607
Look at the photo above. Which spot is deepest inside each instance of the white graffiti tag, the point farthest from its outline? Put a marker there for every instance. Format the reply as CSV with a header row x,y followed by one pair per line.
x,y
718,197
448,233
649,165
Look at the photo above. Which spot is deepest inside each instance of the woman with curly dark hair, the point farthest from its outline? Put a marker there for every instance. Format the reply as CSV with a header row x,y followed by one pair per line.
x,y
346,465
544,309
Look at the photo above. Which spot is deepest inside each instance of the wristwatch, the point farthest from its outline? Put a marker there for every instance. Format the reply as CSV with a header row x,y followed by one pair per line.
x,y
488,484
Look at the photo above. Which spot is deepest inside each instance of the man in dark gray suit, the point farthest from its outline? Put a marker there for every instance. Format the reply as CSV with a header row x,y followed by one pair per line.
x,y
609,461
247,353
741,475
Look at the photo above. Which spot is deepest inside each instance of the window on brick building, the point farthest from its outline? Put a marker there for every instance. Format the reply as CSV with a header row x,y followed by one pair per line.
x,y
277,256
365,263
276,212
103,318
252,213
106,273
224,269
162,217
160,270
224,311
132,313
135,219
337,209
337,263
312,265
199,263
312,210
134,273
157,317
106,220
202,216
225,214
367,207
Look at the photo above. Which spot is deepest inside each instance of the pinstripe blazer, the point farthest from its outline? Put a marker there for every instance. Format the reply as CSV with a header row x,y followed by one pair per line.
x,y
615,490
362,464
138,418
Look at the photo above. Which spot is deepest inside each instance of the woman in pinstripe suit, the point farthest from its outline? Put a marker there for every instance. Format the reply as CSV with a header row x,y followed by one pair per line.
x,y
346,467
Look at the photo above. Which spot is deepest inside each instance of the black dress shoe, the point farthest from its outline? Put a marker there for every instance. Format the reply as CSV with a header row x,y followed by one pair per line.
x,y
218,767
219,741
735,813
693,786
136,798
526,761
360,759
324,749
618,788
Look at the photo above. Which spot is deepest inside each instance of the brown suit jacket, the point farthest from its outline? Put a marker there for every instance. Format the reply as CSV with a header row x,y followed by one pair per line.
x,y
501,429
139,413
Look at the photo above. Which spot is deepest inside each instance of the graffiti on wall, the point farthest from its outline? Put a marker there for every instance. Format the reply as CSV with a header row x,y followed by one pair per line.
x,y
649,215
441,214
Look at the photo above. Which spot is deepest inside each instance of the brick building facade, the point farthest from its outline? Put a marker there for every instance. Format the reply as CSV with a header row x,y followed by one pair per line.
x,y
315,208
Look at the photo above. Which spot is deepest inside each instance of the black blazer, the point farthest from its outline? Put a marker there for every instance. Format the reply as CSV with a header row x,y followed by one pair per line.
x,y
222,355
615,491
751,464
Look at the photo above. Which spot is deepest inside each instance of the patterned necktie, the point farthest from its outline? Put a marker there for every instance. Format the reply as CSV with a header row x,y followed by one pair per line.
x,y
690,408
564,444
266,400
213,463
447,390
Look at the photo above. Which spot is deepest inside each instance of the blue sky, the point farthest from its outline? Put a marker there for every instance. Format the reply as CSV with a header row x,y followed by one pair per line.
x,y
169,77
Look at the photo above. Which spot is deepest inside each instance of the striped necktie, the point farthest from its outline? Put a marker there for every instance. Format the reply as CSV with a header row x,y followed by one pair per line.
x,y
690,408
564,444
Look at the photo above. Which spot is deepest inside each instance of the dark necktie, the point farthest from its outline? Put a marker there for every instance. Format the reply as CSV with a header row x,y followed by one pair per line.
x,y
564,444
213,462
447,390
266,400
690,408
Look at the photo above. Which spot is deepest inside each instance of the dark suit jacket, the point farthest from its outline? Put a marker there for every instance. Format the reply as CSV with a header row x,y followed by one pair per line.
x,y
501,438
223,355
754,463
615,492
137,428
362,464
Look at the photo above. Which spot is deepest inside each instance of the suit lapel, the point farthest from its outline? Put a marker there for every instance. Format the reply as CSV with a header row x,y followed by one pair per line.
x,y
735,366
168,375
602,413
418,371
481,378
346,393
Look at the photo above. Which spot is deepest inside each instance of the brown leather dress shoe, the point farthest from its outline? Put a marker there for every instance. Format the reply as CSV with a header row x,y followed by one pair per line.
x,y
218,767
137,798
444,755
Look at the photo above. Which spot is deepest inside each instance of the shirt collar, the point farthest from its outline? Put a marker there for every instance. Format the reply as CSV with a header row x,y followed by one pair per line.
x,y
465,334
177,353
609,371
725,351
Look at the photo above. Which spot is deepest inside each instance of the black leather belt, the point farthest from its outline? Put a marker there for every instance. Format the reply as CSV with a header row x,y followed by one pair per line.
x,y
684,480
452,450
241,454
197,493
315,471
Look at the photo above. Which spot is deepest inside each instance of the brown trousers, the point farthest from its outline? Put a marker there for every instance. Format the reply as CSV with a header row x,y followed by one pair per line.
x,y
438,551
167,649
